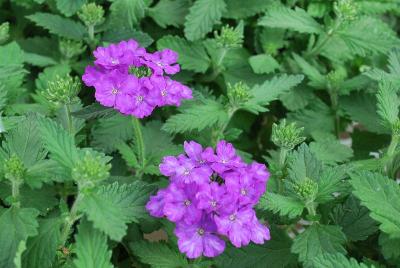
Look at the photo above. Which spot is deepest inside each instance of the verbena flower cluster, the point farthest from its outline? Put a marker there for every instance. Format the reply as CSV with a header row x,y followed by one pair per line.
x,y
133,81
211,195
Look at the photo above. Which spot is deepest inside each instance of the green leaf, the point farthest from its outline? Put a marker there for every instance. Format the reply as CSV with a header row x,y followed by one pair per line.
x,y
354,220
170,12
128,154
158,255
381,196
11,67
334,260
293,19
317,80
263,64
388,103
58,25
329,150
394,69
69,7
317,240
192,55
197,117
284,205
304,165
107,132
270,90
120,34
39,60
235,9
18,255
92,111
330,181
16,225
113,206
202,17
59,143
390,247
275,253
91,248
127,12
41,249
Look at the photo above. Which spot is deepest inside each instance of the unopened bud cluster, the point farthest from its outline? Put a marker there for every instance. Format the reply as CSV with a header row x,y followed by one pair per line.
x,y
286,136
238,93
14,168
336,77
92,14
63,90
306,189
4,32
229,37
346,10
71,48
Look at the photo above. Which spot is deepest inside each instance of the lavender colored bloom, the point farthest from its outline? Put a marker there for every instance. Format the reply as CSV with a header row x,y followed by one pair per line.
x,y
199,239
235,226
259,232
215,198
156,204
169,91
92,75
225,159
163,61
180,203
243,185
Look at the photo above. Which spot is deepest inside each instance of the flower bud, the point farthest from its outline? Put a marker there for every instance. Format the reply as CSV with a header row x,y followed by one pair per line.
x,y
336,77
71,48
346,10
238,93
4,29
92,169
230,37
141,71
91,14
14,169
63,90
396,128
286,136
306,189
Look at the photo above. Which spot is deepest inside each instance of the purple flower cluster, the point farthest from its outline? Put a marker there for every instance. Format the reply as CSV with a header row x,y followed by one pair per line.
x,y
210,195
133,81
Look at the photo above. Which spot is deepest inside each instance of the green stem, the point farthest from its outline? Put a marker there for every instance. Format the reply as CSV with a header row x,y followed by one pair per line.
x,y
393,145
70,220
322,42
282,157
70,123
219,134
217,67
15,192
334,103
137,131
311,209
91,32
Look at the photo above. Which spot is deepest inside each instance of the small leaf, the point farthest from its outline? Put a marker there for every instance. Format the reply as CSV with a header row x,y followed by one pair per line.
x,y
284,205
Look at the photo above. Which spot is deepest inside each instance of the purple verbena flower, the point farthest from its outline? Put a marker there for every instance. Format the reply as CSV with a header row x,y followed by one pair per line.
x,y
215,198
225,158
163,61
155,206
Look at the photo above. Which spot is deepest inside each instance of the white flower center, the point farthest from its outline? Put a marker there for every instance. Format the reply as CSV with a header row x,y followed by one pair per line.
x,y
164,92
232,217
187,202
224,161
243,192
114,91
114,61
186,172
139,98
213,203
200,231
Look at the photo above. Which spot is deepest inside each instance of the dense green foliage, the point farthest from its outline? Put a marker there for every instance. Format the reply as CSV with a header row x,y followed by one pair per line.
x,y
309,87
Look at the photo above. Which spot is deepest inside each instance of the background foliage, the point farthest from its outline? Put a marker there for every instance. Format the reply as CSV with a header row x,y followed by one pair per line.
x,y
309,87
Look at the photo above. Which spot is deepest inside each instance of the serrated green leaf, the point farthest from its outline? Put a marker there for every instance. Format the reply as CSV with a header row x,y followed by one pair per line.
x,y
390,247
235,9
335,260
158,255
284,205
388,103
263,64
192,55
69,7
120,34
127,12
317,80
381,196
16,225
59,143
331,182
113,206
41,249
304,165
317,240
91,248
58,25
293,19
202,17
329,150
39,60
170,12
197,117
354,219
270,90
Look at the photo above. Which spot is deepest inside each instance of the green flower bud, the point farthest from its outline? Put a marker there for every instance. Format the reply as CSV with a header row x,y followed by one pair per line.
x,y
306,189
396,128
92,169
238,94
91,14
71,48
14,169
230,37
63,90
286,136
4,32
336,77
141,71
346,10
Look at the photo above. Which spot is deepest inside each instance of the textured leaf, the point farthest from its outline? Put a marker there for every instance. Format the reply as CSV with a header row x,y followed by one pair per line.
x,y
113,206
381,196
388,103
237,10
317,240
293,19
202,17
263,64
390,247
58,25
197,117
91,248
192,55
69,7
41,249
330,183
170,12
16,225
284,205
329,150
333,261
158,255
317,80
120,34
304,165
127,12
354,220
